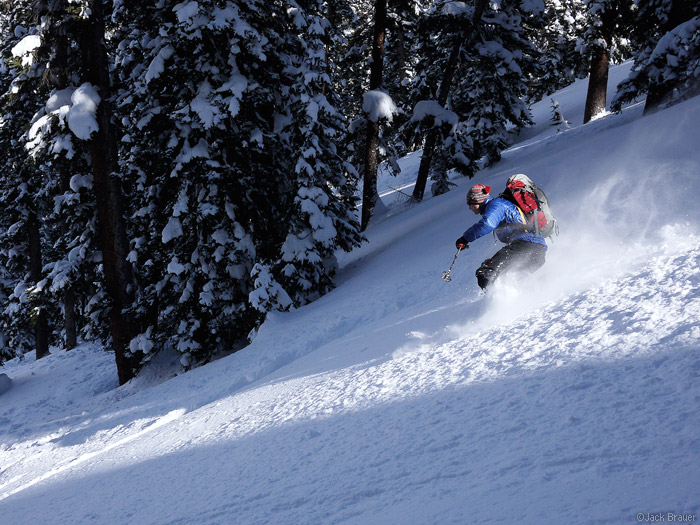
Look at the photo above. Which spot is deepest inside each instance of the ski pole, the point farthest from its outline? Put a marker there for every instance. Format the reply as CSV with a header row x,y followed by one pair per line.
x,y
446,275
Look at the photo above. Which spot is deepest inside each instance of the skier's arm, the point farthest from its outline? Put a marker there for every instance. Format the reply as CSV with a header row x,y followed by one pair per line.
x,y
492,217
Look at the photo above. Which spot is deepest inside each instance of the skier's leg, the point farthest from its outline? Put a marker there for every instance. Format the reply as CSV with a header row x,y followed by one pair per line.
x,y
484,275
527,256
518,256
491,268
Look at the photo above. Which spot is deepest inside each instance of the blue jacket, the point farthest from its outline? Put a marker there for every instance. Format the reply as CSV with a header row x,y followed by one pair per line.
x,y
503,217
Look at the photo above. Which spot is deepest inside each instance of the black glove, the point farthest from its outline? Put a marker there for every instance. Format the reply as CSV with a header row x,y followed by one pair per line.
x,y
461,243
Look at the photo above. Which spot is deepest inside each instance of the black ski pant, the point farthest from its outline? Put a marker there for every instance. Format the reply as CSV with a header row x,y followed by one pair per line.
x,y
518,256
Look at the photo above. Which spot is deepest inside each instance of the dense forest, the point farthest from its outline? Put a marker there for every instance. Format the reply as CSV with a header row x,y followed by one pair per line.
x,y
173,171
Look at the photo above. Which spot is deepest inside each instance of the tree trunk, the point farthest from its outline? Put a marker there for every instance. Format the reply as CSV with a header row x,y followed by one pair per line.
x,y
370,195
655,96
41,328
110,214
431,138
70,318
596,97
70,321
61,72
433,134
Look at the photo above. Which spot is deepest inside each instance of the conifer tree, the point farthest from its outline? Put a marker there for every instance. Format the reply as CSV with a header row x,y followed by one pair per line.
x,y
558,119
401,59
666,35
392,134
71,139
118,272
559,63
456,27
487,44
24,318
240,190
6,352
321,218
57,145
196,115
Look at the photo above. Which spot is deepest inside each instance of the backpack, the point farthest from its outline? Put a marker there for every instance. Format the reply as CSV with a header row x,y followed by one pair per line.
x,y
532,202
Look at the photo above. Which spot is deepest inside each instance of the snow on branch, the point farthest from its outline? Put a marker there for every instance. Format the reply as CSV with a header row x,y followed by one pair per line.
x,y
72,108
186,11
426,109
157,65
379,105
25,48
457,9
267,294
82,117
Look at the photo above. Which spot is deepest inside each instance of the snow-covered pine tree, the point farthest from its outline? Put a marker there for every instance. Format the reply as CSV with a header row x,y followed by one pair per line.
x,y
350,59
559,63
197,112
487,95
240,192
448,29
490,95
374,98
666,34
6,352
558,119
440,170
321,217
400,62
58,145
110,206
353,61
73,36
24,317
11,251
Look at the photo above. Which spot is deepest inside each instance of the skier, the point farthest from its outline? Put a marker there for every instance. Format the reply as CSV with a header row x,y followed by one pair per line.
x,y
524,251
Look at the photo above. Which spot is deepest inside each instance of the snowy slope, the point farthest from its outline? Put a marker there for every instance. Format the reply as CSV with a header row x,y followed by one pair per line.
x,y
400,398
